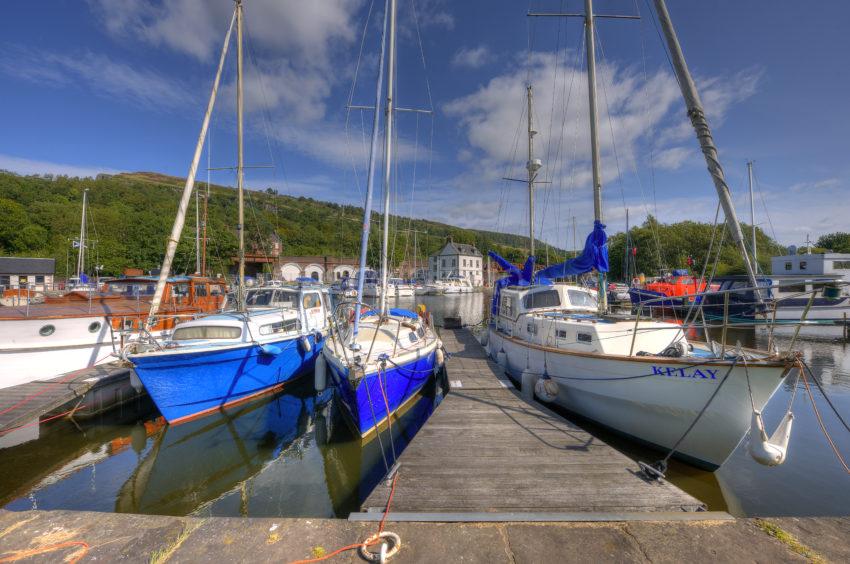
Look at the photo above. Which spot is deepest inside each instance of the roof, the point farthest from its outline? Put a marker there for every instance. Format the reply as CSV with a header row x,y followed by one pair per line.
x,y
453,248
22,265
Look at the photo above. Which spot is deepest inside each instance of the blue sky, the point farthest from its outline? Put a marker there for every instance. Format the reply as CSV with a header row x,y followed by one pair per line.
x,y
121,86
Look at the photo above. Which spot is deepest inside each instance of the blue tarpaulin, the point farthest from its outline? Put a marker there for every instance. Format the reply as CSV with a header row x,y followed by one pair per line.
x,y
593,257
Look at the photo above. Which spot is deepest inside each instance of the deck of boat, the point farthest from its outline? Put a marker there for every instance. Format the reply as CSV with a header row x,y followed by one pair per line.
x,y
485,450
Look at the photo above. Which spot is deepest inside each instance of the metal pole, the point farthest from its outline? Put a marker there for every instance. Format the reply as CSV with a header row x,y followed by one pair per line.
x,y
81,256
197,235
240,172
703,132
532,171
180,219
752,214
602,293
370,182
388,144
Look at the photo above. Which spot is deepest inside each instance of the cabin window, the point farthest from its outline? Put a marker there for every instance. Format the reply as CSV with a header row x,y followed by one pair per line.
x,y
215,289
561,334
506,306
285,299
206,332
532,329
200,290
803,265
180,290
788,265
259,298
581,299
129,324
547,298
94,327
413,337
585,338
841,264
284,326
311,301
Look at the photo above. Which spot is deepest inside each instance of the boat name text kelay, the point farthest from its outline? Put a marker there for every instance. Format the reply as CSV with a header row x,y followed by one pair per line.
x,y
706,373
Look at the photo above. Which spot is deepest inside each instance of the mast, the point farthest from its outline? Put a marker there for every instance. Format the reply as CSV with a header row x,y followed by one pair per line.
x,y
602,293
388,141
240,164
533,165
703,132
752,213
197,235
81,256
370,182
180,218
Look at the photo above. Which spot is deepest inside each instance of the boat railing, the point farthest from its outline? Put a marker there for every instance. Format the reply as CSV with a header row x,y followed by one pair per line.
x,y
764,312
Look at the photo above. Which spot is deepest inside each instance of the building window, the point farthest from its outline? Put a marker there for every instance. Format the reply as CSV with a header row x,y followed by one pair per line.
x,y
454,262
788,265
444,263
803,265
4,280
39,279
841,264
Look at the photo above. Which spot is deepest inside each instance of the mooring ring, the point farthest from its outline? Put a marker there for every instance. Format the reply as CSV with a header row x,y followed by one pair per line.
x,y
391,539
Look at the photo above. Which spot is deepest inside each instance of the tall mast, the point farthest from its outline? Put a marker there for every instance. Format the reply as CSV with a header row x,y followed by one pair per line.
x,y
703,132
602,294
197,235
180,218
81,256
388,142
752,213
240,172
532,166
370,181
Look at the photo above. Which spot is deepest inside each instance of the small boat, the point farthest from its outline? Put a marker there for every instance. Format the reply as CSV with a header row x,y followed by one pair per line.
x,y
399,288
379,360
272,336
679,286
457,285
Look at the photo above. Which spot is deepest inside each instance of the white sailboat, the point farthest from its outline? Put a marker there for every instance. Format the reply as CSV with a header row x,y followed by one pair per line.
x,y
641,378
378,360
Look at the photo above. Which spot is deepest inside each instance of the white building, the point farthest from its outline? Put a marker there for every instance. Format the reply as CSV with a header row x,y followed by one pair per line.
x,y
457,259
825,263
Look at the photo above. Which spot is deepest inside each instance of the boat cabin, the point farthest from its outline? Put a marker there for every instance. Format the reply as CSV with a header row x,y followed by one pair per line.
x,y
564,316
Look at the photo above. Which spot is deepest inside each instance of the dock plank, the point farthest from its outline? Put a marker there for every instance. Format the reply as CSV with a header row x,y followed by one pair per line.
x,y
485,449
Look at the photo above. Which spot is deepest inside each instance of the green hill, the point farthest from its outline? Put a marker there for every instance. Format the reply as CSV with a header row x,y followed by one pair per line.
x,y
130,216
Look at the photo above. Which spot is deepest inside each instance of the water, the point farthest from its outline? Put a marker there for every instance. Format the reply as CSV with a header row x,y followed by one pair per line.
x,y
293,454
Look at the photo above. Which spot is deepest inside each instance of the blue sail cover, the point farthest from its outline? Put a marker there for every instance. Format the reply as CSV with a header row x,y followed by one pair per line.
x,y
593,257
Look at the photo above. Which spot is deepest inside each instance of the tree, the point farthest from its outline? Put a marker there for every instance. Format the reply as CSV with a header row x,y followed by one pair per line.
x,y
838,242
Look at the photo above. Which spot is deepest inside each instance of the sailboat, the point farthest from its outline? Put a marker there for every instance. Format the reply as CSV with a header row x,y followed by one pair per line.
x,y
641,378
379,359
231,357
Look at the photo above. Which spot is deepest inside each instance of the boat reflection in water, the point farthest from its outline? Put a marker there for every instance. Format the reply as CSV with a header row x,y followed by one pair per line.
x,y
267,458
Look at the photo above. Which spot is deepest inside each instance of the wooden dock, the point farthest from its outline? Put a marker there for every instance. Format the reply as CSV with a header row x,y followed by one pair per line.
x,y
485,450
85,392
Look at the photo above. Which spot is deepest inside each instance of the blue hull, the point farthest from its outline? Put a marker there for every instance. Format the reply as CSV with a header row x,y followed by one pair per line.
x,y
191,384
364,400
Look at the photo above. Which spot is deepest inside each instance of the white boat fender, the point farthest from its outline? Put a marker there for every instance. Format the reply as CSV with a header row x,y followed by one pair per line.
x,y
317,336
546,389
321,373
440,357
136,382
304,343
529,382
772,451
483,338
272,350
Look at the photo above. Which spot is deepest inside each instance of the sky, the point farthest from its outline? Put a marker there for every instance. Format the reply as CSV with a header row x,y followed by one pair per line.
x,y
122,85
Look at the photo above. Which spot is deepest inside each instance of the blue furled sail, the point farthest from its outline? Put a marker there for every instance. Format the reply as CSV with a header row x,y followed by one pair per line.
x,y
593,257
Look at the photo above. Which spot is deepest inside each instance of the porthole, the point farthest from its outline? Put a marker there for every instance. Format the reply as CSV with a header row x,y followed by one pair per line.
x,y
94,327
47,330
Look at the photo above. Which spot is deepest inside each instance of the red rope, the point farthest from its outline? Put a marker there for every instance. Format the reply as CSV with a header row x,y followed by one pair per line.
x,y
374,539
39,422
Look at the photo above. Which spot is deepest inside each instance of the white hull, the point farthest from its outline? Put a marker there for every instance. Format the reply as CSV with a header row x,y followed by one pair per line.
x,y
656,409
27,356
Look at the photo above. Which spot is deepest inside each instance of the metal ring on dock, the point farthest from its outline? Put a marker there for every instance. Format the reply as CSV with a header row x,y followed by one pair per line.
x,y
391,539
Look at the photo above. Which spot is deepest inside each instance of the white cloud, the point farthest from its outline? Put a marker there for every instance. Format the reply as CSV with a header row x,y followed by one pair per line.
x,y
25,166
102,76
473,58
673,158
817,185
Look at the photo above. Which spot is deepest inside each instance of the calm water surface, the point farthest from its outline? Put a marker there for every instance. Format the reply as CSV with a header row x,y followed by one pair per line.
x,y
293,454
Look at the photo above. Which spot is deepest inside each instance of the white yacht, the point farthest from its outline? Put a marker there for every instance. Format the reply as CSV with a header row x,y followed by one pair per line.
x,y
399,288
